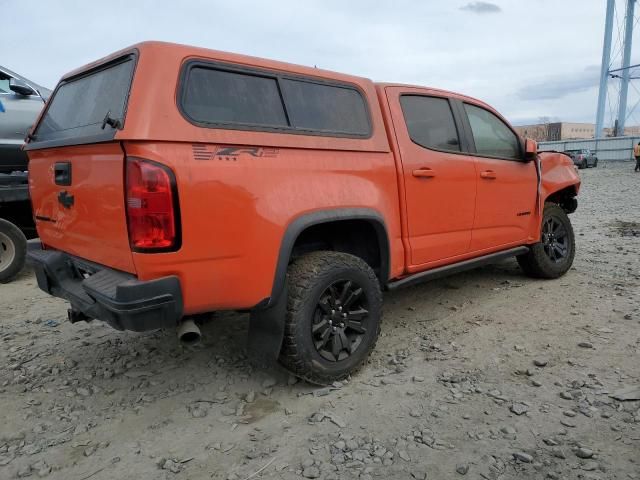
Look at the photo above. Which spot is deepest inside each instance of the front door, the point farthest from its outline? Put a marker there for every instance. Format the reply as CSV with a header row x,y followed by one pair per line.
x,y
439,180
507,185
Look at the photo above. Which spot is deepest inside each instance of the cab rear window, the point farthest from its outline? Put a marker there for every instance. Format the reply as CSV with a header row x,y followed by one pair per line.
x,y
221,96
88,107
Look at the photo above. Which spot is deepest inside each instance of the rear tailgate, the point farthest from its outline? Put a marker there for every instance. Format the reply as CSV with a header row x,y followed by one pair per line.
x,y
87,217
76,168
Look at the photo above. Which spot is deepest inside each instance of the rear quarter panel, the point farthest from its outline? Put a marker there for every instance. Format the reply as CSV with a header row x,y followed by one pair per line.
x,y
235,211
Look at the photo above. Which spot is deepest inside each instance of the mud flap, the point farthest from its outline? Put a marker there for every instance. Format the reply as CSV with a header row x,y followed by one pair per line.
x,y
266,333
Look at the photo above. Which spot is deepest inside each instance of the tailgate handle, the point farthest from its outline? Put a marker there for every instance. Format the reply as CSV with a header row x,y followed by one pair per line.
x,y
62,173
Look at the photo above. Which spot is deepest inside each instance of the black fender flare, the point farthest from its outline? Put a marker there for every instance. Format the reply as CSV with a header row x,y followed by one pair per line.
x,y
301,223
266,323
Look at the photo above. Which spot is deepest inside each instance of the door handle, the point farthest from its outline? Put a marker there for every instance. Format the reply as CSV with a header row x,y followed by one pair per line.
x,y
62,173
488,174
424,173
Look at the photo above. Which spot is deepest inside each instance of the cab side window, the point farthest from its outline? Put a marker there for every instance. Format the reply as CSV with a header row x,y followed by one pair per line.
x,y
430,122
492,137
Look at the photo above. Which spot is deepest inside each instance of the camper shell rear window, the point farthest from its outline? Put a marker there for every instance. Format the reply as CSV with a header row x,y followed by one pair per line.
x,y
218,95
87,108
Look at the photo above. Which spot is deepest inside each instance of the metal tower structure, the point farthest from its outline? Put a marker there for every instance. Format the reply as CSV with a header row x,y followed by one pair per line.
x,y
605,70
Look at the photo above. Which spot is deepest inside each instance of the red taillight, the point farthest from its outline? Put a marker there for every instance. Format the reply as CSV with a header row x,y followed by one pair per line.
x,y
151,206
580,157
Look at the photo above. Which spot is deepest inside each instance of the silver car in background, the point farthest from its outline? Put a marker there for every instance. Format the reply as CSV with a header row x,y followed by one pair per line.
x,y
20,103
582,157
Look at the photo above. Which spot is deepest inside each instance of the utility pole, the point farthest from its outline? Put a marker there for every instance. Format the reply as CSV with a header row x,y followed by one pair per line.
x,y
604,70
626,60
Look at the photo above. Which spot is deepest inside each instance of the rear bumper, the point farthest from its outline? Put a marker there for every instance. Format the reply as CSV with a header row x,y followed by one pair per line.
x,y
98,292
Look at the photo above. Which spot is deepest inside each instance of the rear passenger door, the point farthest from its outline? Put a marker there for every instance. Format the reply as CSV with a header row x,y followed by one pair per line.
x,y
507,185
439,179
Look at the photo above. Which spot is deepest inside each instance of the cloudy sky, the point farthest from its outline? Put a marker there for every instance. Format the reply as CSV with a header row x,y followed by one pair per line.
x,y
528,58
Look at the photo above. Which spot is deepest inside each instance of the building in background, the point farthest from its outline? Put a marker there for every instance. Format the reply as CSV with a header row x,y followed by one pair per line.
x,y
550,131
554,131
631,131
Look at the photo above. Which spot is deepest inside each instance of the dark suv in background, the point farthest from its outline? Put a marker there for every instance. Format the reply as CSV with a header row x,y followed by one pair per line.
x,y
20,103
583,158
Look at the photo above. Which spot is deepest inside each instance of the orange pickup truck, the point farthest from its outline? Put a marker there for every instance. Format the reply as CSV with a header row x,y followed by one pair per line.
x,y
169,181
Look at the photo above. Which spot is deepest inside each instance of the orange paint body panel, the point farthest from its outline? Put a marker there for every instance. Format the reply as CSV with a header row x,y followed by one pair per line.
x,y
94,227
235,212
505,207
237,209
436,229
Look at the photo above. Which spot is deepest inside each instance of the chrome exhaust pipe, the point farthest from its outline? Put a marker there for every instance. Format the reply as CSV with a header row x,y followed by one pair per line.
x,y
189,333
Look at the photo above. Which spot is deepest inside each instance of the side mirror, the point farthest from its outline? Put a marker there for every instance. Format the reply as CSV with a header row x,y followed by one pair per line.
x,y
20,87
530,149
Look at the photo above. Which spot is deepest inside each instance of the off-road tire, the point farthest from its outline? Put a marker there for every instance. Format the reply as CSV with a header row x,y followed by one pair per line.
x,y
595,163
308,279
584,164
537,263
13,250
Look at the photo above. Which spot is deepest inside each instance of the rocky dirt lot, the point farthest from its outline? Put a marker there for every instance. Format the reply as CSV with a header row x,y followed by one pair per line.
x,y
486,374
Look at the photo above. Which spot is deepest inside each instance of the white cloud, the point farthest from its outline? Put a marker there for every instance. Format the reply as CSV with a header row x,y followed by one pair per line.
x,y
481,7
559,86
492,57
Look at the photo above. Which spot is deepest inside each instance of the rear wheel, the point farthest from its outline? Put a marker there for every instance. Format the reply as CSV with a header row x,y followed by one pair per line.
x,y
13,250
584,164
333,316
553,256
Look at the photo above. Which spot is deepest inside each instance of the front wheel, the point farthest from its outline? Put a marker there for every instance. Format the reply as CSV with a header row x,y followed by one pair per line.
x,y
595,163
553,255
13,250
333,316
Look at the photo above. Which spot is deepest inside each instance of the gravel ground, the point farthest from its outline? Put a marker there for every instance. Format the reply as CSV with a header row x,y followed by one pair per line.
x,y
486,374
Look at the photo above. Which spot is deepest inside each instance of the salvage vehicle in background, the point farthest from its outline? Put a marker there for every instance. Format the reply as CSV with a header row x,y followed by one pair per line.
x,y
21,101
187,181
16,224
582,157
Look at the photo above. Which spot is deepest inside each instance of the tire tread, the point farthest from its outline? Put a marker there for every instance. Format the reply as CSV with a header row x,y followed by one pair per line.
x,y
302,275
20,245
535,263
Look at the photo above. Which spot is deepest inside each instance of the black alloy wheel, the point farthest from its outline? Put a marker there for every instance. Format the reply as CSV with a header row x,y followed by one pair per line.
x,y
340,320
555,239
334,312
553,255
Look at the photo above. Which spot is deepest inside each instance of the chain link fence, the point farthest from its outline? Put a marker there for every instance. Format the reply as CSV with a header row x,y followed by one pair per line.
x,y
614,149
